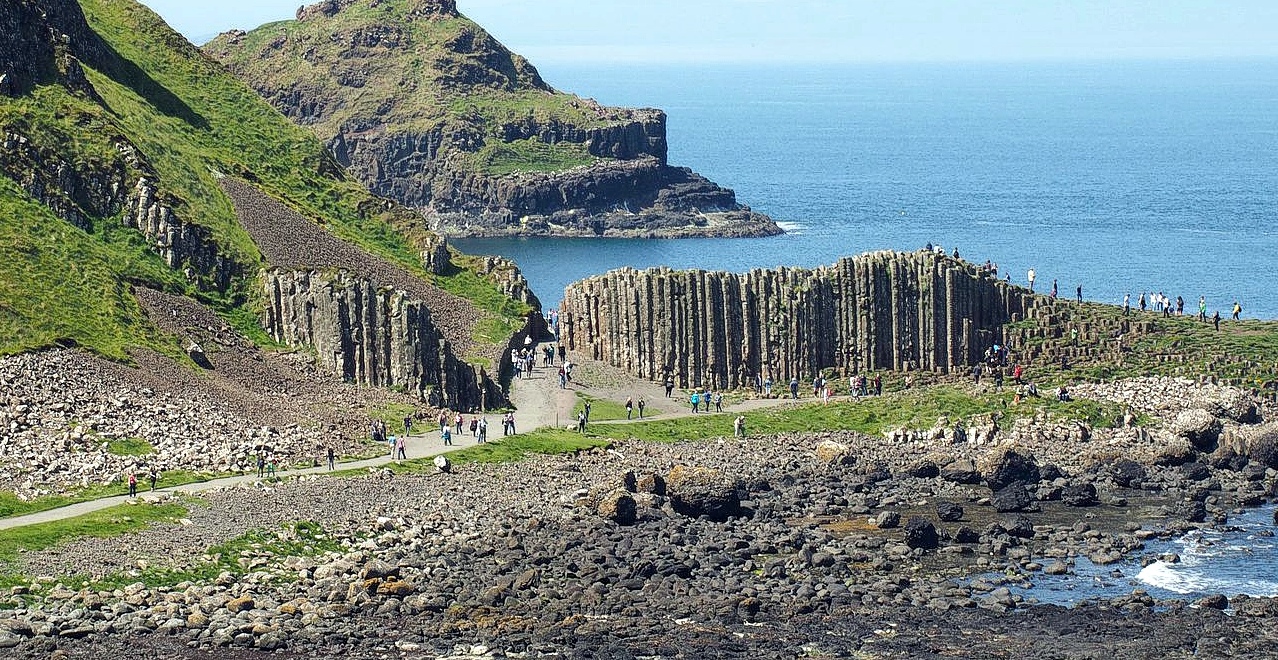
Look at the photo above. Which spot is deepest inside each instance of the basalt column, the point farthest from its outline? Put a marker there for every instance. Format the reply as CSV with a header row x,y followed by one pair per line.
x,y
877,311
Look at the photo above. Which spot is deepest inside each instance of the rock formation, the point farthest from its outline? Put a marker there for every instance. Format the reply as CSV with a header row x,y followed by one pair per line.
x,y
882,310
425,107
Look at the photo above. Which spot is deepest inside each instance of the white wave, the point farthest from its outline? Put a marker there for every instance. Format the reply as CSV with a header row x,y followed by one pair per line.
x,y
1182,580
791,227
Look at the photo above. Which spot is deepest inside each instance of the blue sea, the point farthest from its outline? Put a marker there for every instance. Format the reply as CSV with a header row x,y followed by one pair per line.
x,y
1119,176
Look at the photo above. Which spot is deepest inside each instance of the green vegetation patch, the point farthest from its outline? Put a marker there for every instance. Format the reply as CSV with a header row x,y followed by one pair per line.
x,y
129,447
11,506
106,523
532,155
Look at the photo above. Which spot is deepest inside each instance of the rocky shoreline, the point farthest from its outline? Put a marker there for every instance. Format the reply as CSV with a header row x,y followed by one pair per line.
x,y
784,546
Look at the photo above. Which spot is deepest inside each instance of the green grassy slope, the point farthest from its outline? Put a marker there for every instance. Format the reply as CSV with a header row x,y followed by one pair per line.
x,y
415,74
191,123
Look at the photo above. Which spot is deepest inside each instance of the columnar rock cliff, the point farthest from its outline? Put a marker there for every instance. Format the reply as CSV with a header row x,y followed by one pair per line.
x,y
882,310
372,335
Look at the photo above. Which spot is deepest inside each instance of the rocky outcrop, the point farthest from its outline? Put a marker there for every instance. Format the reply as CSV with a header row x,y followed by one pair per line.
x,y
373,335
426,108
883,310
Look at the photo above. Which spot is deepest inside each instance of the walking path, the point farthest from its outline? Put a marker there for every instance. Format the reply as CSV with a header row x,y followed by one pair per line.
x,y
539,403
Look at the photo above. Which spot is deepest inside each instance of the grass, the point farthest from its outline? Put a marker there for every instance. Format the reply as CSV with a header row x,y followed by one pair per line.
x,y
129,447
191,123
106,523
501,158
602,410
393,414
11,506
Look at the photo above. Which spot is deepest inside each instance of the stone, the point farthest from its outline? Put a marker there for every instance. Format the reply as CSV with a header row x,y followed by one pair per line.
x,y
1057,567
921,533
949,511
1079,495
1013,497
618,506
241,604
396,588
378,569
961,471
834,453
698,491
442,464
1009,466
888,520
1199,427
1127,473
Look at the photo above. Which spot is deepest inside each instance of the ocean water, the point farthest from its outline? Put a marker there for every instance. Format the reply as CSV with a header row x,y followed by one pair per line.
x,y
1121,176
1241,558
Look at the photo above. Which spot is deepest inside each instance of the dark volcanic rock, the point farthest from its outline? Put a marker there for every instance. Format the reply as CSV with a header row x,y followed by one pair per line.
x,y
1127,473
888,520
921,533
1010,467
699,491
961,472
1078,495
949,512
1012,497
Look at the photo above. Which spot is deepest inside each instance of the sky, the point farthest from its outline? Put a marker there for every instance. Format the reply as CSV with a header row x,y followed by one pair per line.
x,y
833,31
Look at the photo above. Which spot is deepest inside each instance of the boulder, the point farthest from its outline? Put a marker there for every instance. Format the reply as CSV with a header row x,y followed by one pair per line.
x,y
699,491
1192,511
949,512
1263,448
1199,427
378,569
1079,495
1195,471
921,533
652,484
967,535
1127,473
1008,466
443,464
618,506
1021,527
834,453
924,469
888,520
241,604
1174,450
1229,403
1012,497
961,471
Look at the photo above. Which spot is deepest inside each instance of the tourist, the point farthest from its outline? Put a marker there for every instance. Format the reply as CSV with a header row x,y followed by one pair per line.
x,y
976,374
401,448
1215,320
1180,306
562,353
1031,275
332,458
1079,293
133,485
794,388
1053,296
474,427
669,386
563,378
641,405
852,381
718,402
483,430
446,435
457,424
1062,394
1127,304
630,406
998,378
510,419
261,465
1237,310
408,424
825,395
581,421
585,409
695,399
1141,302
1017,373
270,467
1202,308
738,427
1073,336
767,387
153,476
878,385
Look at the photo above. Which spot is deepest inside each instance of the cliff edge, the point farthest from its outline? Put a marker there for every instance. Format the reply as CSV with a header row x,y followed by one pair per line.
x,y
426,108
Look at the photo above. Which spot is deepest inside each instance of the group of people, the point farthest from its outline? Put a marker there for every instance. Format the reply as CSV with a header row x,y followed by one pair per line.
x,y
630,407
701,400
152,475
1167,307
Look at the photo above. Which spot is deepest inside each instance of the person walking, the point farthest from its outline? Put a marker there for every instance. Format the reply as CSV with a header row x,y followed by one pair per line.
x,y
401,448
261,465
630,406
153,476
446,435
695,399
1202,308
133,485
1030,276
1127,304
1079,293
332,458
1215,320
641,406
1237,310
794,388
738,427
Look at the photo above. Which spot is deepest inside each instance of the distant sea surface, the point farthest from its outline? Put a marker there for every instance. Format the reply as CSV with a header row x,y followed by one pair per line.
x,y
1121,177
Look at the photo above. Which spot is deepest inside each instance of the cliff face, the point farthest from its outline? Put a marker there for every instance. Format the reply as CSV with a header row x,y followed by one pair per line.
x,y
373,335
876,311
426,108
